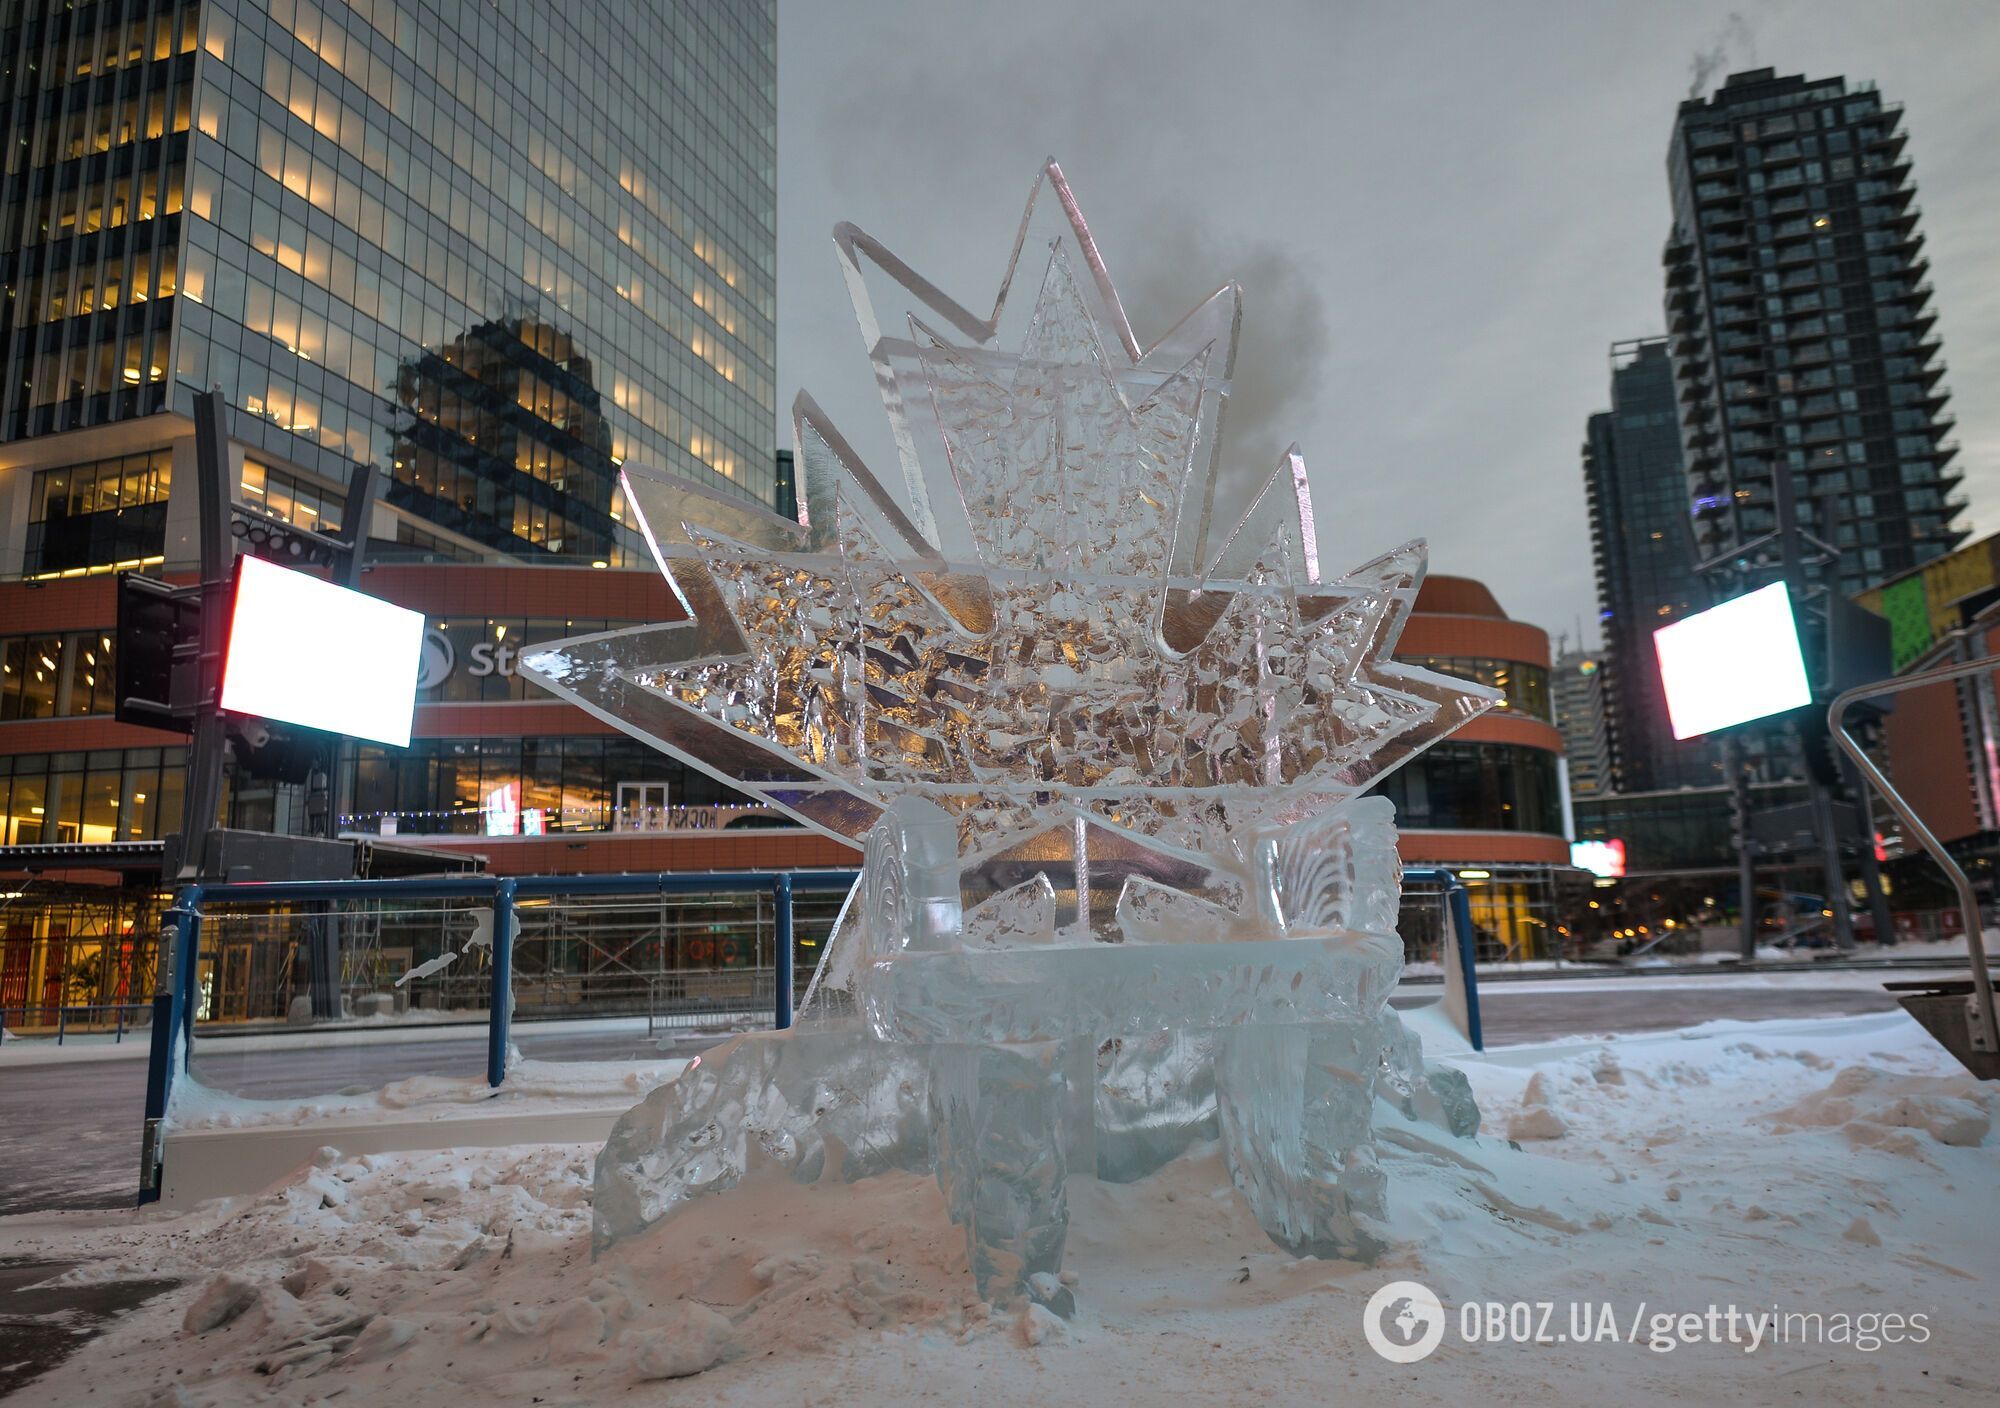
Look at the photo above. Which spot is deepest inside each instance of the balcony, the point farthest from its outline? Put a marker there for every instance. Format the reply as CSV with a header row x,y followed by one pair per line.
x,y
1904,242
1892,198
1890,140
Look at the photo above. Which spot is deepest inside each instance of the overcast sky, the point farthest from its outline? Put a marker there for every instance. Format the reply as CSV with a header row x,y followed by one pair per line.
x,y
1441,216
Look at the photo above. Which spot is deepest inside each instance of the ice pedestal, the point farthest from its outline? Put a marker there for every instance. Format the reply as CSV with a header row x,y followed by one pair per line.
x,y
1003,1071
827,1103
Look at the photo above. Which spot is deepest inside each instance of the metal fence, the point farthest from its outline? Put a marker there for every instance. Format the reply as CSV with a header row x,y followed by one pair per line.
x,y
677,947
254,950
114,1019
670,957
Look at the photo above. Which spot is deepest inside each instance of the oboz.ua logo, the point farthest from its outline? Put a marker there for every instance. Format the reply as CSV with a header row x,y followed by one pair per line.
x,y
1404,1322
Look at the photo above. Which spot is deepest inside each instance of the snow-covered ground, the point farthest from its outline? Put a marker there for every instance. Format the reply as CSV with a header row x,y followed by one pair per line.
x,y
1828,1168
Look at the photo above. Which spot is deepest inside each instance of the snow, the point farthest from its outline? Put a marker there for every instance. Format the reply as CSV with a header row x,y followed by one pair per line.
x,y
1831,1165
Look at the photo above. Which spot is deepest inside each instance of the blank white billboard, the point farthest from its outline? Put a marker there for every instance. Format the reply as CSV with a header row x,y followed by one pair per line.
x,y
1733,663
311,653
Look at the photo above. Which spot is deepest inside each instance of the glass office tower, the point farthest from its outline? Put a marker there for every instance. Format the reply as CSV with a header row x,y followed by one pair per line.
x,y
494,249
1803,335
1644,554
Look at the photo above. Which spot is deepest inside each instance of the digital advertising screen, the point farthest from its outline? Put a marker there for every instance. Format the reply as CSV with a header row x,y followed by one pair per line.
x,y
1733,663
1604,859
307,652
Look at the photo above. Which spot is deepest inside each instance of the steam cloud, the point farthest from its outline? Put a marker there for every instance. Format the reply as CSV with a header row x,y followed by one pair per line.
x,y
1735,37
1031,101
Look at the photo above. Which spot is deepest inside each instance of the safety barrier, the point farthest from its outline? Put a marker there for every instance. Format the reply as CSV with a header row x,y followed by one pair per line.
x,y
174,1008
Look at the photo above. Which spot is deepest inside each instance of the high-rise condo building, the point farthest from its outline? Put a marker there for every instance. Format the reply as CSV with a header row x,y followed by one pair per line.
x,y
1801,326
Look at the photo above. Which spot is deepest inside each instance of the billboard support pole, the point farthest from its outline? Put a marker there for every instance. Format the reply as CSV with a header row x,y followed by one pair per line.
x,y
1746,848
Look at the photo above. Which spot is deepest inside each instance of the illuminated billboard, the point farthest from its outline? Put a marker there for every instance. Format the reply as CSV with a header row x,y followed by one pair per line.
x,y
1733,663
307,652
1605,859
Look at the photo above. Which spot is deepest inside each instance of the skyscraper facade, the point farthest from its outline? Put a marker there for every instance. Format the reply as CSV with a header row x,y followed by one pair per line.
x,y
1577,687
493,249
1802,332
1644,553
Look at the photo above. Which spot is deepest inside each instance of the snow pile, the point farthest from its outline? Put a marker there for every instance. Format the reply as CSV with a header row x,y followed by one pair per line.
x,y
1877,1110
1828,1165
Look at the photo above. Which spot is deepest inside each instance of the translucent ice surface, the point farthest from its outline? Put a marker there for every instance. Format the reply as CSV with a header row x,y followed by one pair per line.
x,y
1103,732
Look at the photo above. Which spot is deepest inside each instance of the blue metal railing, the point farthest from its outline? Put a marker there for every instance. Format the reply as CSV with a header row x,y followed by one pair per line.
x,y
173,1010
83,1015
1458,904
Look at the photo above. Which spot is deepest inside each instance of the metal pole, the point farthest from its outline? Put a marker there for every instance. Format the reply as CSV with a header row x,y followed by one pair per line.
x,y
1746,847
1968,898
502,1001
1829,858
1468,957
781,895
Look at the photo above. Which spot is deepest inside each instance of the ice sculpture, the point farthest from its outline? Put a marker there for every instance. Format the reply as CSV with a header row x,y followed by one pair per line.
x,y
1103,739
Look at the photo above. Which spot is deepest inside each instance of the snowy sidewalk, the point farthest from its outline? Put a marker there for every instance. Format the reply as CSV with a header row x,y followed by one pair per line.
x,y
1832,1167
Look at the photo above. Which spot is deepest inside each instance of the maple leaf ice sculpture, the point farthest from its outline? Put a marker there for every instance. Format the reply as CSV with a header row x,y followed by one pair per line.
x,y
1104,747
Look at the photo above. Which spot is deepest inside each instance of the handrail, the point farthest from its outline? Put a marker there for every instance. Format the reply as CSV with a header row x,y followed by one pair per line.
x,y
1968,898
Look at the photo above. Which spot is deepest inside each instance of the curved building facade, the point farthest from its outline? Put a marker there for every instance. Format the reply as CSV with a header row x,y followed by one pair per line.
x,y
1487,802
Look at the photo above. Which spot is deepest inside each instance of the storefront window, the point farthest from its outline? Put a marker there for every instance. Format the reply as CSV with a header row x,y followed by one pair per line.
x,y
44,677
132,794
1477,787
471,786
1524,687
